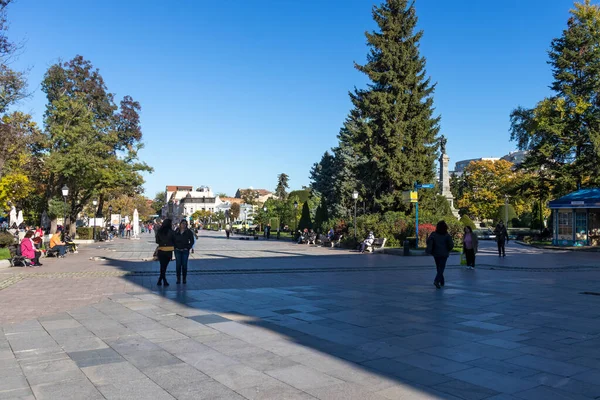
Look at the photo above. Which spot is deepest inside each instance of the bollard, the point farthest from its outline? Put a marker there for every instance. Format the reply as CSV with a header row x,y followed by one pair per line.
x,y
406,248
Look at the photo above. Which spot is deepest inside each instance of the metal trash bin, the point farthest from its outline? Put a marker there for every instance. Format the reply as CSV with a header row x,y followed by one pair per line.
x,y
406,248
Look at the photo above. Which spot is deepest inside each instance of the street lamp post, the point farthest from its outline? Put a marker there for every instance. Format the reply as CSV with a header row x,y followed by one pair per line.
x,y
295,219
264,225
109,216
355,197
95,203
506,210
65,193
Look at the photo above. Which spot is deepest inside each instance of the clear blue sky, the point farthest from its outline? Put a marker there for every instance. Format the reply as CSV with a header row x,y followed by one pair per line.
x,y
235,92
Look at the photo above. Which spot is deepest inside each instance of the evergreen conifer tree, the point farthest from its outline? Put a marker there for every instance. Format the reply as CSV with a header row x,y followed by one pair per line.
x,y
305,221
562,133
394,127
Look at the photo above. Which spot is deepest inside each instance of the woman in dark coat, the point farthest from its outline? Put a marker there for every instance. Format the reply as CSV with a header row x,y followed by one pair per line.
x,y
439,245
165,238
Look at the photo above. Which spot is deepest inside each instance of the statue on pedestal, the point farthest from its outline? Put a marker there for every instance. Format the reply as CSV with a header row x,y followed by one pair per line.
x,y
445,175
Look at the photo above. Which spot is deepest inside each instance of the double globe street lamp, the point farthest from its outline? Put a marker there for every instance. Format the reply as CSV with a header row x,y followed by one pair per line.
x,y
355,197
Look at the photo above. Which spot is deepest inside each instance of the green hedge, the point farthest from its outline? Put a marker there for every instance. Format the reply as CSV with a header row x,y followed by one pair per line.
x,y
85,233
4,254
6,239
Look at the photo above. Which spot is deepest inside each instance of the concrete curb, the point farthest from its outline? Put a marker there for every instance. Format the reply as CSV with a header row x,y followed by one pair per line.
x,y
4,264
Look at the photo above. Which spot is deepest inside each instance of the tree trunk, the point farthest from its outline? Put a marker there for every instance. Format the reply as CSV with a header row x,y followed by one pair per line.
x,y
53,225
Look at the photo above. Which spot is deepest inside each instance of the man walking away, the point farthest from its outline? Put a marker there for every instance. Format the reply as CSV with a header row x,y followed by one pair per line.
x,y
501,238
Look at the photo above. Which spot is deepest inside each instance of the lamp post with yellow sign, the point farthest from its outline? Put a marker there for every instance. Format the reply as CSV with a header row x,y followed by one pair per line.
x,y
412,197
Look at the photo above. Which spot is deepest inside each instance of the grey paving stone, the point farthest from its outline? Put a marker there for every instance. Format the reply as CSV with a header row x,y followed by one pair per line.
x,y
161,335
135,389
486,326
432,363
344,391
143,360
238,377
590,376
503,367
204,390
264,361
17,394
75,389
88,358
453,354
52,371
208,319
10,383
422,377
547,365
493,380
176,376
302,377
208,360
114,373
388,366
502,343
465,390
547,393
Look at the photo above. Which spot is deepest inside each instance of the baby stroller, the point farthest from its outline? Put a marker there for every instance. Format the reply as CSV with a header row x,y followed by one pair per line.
x,y
16,258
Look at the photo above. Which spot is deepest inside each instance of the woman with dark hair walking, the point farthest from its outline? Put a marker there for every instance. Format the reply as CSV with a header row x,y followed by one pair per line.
x,y
470,245
439,245
165,238
184,243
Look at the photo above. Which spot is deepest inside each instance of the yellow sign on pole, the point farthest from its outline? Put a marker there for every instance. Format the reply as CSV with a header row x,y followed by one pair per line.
x,y
409,196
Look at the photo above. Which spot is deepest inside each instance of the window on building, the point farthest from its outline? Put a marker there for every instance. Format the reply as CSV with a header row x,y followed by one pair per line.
x,y
565,223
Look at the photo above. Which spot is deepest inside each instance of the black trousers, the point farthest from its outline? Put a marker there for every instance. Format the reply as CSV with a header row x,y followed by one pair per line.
x,y
440,265
501,247
470,255
164,257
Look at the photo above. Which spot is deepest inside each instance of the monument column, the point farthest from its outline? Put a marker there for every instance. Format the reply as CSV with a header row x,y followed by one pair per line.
x,y
445,176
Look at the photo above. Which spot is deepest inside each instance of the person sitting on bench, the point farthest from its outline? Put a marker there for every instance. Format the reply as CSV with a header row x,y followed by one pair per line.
x,y
367,242
28,250
57,244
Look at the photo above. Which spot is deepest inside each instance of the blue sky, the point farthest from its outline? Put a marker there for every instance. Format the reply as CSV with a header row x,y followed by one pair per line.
x,y
235,92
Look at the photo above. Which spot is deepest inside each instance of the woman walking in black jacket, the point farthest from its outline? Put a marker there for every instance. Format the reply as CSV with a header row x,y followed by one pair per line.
x,y
165,238
184,242
439,245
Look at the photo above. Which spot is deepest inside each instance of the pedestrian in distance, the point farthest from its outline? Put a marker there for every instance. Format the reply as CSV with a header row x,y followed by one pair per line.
x,y
268,231
165,238
470,246
227,230
184,243
501,238
439,245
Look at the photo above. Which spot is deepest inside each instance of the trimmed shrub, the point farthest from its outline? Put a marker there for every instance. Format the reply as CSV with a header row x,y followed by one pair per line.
x,y
84,233
466,221
6,239
424,232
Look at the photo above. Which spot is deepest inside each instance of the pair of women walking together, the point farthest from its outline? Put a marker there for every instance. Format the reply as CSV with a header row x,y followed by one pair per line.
x,y
180,241
440,244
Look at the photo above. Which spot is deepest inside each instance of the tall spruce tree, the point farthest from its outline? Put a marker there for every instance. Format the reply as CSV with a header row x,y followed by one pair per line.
x,y
282,186
562,133
323,178
395,127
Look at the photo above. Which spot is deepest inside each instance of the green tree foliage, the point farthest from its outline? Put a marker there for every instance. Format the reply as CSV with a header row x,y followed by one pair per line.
x,y
301,196
282,186
305,221
466,221
323,177
486,184
321,215
234,211
159,202
394,127
93,142
562,132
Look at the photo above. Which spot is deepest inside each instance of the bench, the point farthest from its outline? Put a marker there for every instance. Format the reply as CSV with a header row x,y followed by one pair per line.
x,y
51,252
378,244
17,260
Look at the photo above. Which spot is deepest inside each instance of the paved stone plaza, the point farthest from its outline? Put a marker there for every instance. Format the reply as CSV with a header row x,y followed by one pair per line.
x,y
274,320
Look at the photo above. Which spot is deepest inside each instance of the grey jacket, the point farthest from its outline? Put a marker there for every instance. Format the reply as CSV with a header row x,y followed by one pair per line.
x,y
439,245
